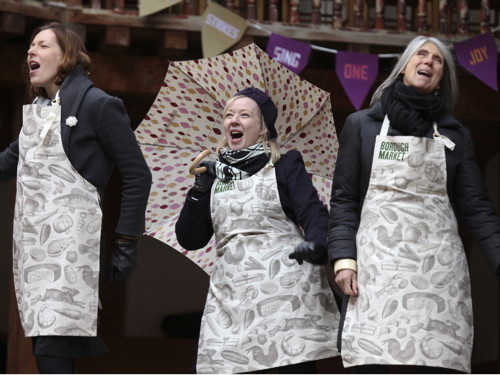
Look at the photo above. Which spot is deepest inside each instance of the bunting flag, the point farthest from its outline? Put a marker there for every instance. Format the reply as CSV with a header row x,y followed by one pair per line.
x,y
220,29
290,53
478,55
356,72
147,7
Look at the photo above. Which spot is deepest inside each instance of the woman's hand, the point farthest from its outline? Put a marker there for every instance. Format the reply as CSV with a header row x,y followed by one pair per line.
x,y
203,181
347,280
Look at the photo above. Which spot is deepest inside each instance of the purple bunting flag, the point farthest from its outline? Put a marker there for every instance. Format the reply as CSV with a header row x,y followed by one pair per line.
x,y
356,72
478,55
291,53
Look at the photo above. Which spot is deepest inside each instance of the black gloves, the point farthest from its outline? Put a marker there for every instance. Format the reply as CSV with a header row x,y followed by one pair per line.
x,y
310,252
203,181
123,260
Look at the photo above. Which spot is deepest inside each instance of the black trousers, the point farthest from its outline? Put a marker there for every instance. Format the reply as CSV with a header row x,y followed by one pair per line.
x,y
55,365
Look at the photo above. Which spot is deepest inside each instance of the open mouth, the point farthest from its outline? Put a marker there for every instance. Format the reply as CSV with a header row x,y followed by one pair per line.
x,y
34,66
424,73
236,135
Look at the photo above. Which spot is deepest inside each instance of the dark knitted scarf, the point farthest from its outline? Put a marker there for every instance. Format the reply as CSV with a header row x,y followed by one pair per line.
x,y
410,111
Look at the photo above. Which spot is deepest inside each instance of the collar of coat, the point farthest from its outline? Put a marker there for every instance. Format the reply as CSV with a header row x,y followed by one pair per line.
x,y
72,91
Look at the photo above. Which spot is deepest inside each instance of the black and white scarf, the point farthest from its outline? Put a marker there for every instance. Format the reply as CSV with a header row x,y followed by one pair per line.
x,y
240,164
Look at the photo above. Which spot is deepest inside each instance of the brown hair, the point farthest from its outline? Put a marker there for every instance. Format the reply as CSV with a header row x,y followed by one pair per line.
x,y
74,54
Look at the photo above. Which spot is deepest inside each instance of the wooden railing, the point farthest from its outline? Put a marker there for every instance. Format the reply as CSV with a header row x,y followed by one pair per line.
x,y
460,17
456,17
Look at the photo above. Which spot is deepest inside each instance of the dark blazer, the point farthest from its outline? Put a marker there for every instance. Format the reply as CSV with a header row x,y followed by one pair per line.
x,y
297,194
465,185
101,139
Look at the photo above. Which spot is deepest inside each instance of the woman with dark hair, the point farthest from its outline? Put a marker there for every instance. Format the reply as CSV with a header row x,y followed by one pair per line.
x,y
269,303
405,172
73,135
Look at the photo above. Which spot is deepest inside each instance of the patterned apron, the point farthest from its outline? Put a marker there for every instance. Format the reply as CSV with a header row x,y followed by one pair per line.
x,y
57,230
263,309
414,305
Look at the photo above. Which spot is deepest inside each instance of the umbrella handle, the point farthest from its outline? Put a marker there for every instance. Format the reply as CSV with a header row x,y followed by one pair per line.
x,y
193,170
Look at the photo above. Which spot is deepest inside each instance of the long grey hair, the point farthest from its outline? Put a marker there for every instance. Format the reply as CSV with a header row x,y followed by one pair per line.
x,y
448,84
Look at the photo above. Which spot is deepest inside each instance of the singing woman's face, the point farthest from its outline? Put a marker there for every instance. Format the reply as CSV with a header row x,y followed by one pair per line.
x,y
242,124
425,68
44,56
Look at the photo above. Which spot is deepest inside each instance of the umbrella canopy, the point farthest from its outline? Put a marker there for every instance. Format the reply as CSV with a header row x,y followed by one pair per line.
x,y
186,118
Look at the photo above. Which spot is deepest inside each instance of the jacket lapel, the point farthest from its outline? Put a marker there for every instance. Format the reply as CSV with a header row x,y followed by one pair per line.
x,y
72,91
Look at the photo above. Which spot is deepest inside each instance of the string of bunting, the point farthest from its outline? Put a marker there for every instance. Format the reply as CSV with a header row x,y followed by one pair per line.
x,y
222,28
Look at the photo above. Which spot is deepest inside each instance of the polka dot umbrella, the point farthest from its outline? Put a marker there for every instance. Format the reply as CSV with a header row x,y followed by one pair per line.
x,y
186,118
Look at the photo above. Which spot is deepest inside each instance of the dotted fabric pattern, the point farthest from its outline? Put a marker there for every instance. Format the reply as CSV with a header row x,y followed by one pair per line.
x,y
186,118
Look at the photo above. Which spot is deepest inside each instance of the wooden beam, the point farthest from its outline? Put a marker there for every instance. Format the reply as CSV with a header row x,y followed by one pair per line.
x,y
12,25
81,30
174,43
116,39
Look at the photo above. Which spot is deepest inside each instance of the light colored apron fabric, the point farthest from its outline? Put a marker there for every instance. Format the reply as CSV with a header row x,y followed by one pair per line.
x,y
57,230
263,310
414,305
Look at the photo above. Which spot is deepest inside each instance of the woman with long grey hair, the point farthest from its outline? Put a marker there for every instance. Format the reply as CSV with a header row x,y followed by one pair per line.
x,y
405,172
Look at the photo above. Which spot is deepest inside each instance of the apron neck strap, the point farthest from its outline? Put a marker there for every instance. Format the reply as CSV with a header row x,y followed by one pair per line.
x,y
385,126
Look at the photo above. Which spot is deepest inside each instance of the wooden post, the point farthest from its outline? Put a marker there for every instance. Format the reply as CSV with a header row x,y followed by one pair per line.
x,y
379,14
359,7
251,12
401,15
116,39
294,12
12,25
337,14
119,6
316,12
463,17
273,11
422,16
187,8
174,43
485,16
230,5
443,16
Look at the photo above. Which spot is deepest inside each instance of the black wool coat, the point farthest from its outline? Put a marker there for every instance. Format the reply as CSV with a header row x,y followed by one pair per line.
x,y
465,185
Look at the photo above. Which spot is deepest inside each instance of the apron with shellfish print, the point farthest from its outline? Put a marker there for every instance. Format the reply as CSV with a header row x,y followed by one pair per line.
x,y
414,304
57,230
263,310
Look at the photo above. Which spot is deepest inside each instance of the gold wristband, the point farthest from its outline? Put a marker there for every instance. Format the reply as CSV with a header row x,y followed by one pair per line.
x,y
343,264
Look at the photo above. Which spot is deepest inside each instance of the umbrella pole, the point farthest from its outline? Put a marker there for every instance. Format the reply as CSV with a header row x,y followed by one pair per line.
x,y
193,170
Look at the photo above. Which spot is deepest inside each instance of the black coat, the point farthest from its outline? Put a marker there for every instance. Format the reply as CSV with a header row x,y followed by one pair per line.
x,y
465,185
297,195
101,139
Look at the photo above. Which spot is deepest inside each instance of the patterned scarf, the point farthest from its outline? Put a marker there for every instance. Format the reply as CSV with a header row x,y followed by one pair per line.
x,y
240,164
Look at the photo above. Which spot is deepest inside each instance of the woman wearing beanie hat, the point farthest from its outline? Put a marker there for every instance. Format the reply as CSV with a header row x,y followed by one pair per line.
x,y
269,302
